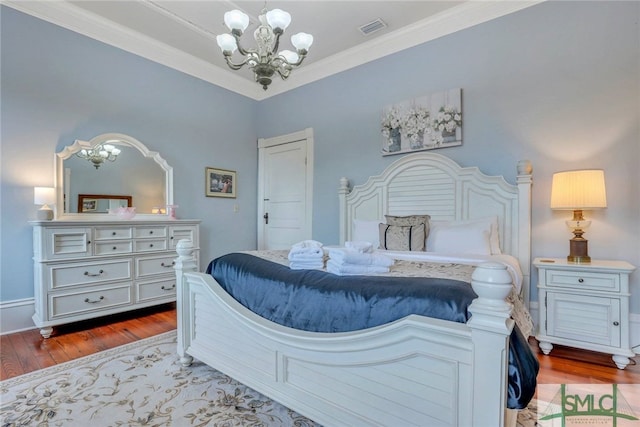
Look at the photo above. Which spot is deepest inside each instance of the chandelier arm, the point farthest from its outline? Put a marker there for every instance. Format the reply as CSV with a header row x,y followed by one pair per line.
x,y
236,65
241,50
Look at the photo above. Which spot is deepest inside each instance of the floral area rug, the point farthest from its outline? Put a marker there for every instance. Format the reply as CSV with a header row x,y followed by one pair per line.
x,y
143,384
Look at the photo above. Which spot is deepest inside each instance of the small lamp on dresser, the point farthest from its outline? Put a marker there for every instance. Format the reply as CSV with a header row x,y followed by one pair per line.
x,y
577,191
44,196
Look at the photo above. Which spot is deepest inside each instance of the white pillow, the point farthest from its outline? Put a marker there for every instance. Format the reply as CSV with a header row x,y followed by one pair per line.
x,y
366,231
461,237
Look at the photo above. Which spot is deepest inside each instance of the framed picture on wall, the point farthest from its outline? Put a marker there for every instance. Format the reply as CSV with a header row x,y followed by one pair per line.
x,y
219,182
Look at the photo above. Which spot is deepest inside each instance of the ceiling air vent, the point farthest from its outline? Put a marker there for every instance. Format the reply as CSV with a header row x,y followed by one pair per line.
x,y
372,27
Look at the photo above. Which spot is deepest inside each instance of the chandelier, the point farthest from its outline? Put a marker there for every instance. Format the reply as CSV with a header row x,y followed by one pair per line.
x,y
98,154
265,60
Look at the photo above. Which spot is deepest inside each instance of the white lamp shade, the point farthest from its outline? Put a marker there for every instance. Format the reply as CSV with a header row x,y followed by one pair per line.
x,y
236,20
278,19
227,43
44,195
302,41
290,56
578,190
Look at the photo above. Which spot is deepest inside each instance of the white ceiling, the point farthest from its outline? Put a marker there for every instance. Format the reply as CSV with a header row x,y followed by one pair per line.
x,y
181,33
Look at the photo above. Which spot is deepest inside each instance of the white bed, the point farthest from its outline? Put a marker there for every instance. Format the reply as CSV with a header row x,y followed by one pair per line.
x,y
415,371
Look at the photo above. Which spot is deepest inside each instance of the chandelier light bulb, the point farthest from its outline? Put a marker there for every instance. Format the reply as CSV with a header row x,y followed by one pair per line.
x,y
290,56
236,20
227,43
302,41
278,19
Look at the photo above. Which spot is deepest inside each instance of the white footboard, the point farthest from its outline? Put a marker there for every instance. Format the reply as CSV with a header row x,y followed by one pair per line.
x,y
416,371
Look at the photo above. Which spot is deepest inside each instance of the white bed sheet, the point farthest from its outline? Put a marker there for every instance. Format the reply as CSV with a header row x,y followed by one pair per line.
x,y
513,267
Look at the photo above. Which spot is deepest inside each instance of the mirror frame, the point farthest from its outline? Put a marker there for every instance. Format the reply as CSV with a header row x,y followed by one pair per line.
x,y
114,139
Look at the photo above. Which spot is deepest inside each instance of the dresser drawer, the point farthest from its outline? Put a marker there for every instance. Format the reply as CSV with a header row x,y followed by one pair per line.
x,y
155,290
150,232
113,233
67,243
65,275
583,280
154,265
146,245
113,247
89,300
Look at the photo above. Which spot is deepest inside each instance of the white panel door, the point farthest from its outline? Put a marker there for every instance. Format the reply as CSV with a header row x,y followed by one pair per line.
x,y
285,176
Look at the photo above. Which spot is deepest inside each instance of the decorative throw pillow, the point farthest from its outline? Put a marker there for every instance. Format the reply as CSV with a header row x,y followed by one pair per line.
x,y
402,238
409,220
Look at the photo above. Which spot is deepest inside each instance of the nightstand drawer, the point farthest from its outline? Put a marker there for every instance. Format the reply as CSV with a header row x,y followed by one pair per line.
x,y
583,280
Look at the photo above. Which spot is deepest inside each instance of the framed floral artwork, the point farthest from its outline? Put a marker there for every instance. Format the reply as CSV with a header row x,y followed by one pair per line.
x,y
425,123
220,183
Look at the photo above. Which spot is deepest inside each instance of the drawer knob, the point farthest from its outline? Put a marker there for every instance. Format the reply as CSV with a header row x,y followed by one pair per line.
x,y
581,280
168,289
115,247
616,323
151,232
168,265
113,233
94,301
86,273
151,245
88,242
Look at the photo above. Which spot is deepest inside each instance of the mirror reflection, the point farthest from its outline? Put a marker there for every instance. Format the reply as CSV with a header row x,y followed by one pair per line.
x,y
136,175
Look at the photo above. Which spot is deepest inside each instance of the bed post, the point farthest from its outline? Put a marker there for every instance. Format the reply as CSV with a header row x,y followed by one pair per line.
x,y
491,326
342,196
185,263
524,225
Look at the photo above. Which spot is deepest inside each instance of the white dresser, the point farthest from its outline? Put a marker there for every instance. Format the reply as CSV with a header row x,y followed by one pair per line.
x,y
585,306
87,269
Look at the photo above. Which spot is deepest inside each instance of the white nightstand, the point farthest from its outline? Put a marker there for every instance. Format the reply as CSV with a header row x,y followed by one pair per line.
x,y
585,306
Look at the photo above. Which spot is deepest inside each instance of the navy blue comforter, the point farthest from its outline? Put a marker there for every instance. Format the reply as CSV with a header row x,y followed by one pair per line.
x,y
317,301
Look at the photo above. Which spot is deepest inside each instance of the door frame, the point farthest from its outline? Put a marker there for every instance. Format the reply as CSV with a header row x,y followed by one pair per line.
x,y
303,135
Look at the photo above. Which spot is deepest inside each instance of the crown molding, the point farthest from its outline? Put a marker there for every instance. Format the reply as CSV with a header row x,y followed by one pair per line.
x,y
73,18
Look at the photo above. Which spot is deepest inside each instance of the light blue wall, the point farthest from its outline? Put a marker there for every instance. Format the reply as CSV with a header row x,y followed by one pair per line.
x,y
58,86
557,83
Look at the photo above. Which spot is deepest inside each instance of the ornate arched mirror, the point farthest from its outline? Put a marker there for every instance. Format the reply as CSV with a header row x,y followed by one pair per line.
x,y
109,171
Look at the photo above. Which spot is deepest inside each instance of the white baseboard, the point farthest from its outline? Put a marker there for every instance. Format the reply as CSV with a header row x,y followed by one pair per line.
x,y
634,325
15,316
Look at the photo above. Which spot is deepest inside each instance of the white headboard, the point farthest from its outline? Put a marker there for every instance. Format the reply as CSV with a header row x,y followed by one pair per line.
x,y
429,183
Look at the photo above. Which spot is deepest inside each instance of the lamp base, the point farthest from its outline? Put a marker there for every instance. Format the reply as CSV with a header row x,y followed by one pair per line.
x,y
44,214
578,251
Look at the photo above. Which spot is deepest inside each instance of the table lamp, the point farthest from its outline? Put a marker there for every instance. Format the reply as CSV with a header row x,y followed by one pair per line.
x,y
44,196
577,191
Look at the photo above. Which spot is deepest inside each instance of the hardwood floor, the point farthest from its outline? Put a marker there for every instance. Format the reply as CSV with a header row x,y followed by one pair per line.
x,y
27,351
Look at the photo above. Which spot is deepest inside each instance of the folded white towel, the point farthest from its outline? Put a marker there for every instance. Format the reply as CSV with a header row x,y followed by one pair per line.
x,y
306,247
307,265
307,256
359,246
348,256
354,269
306,244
